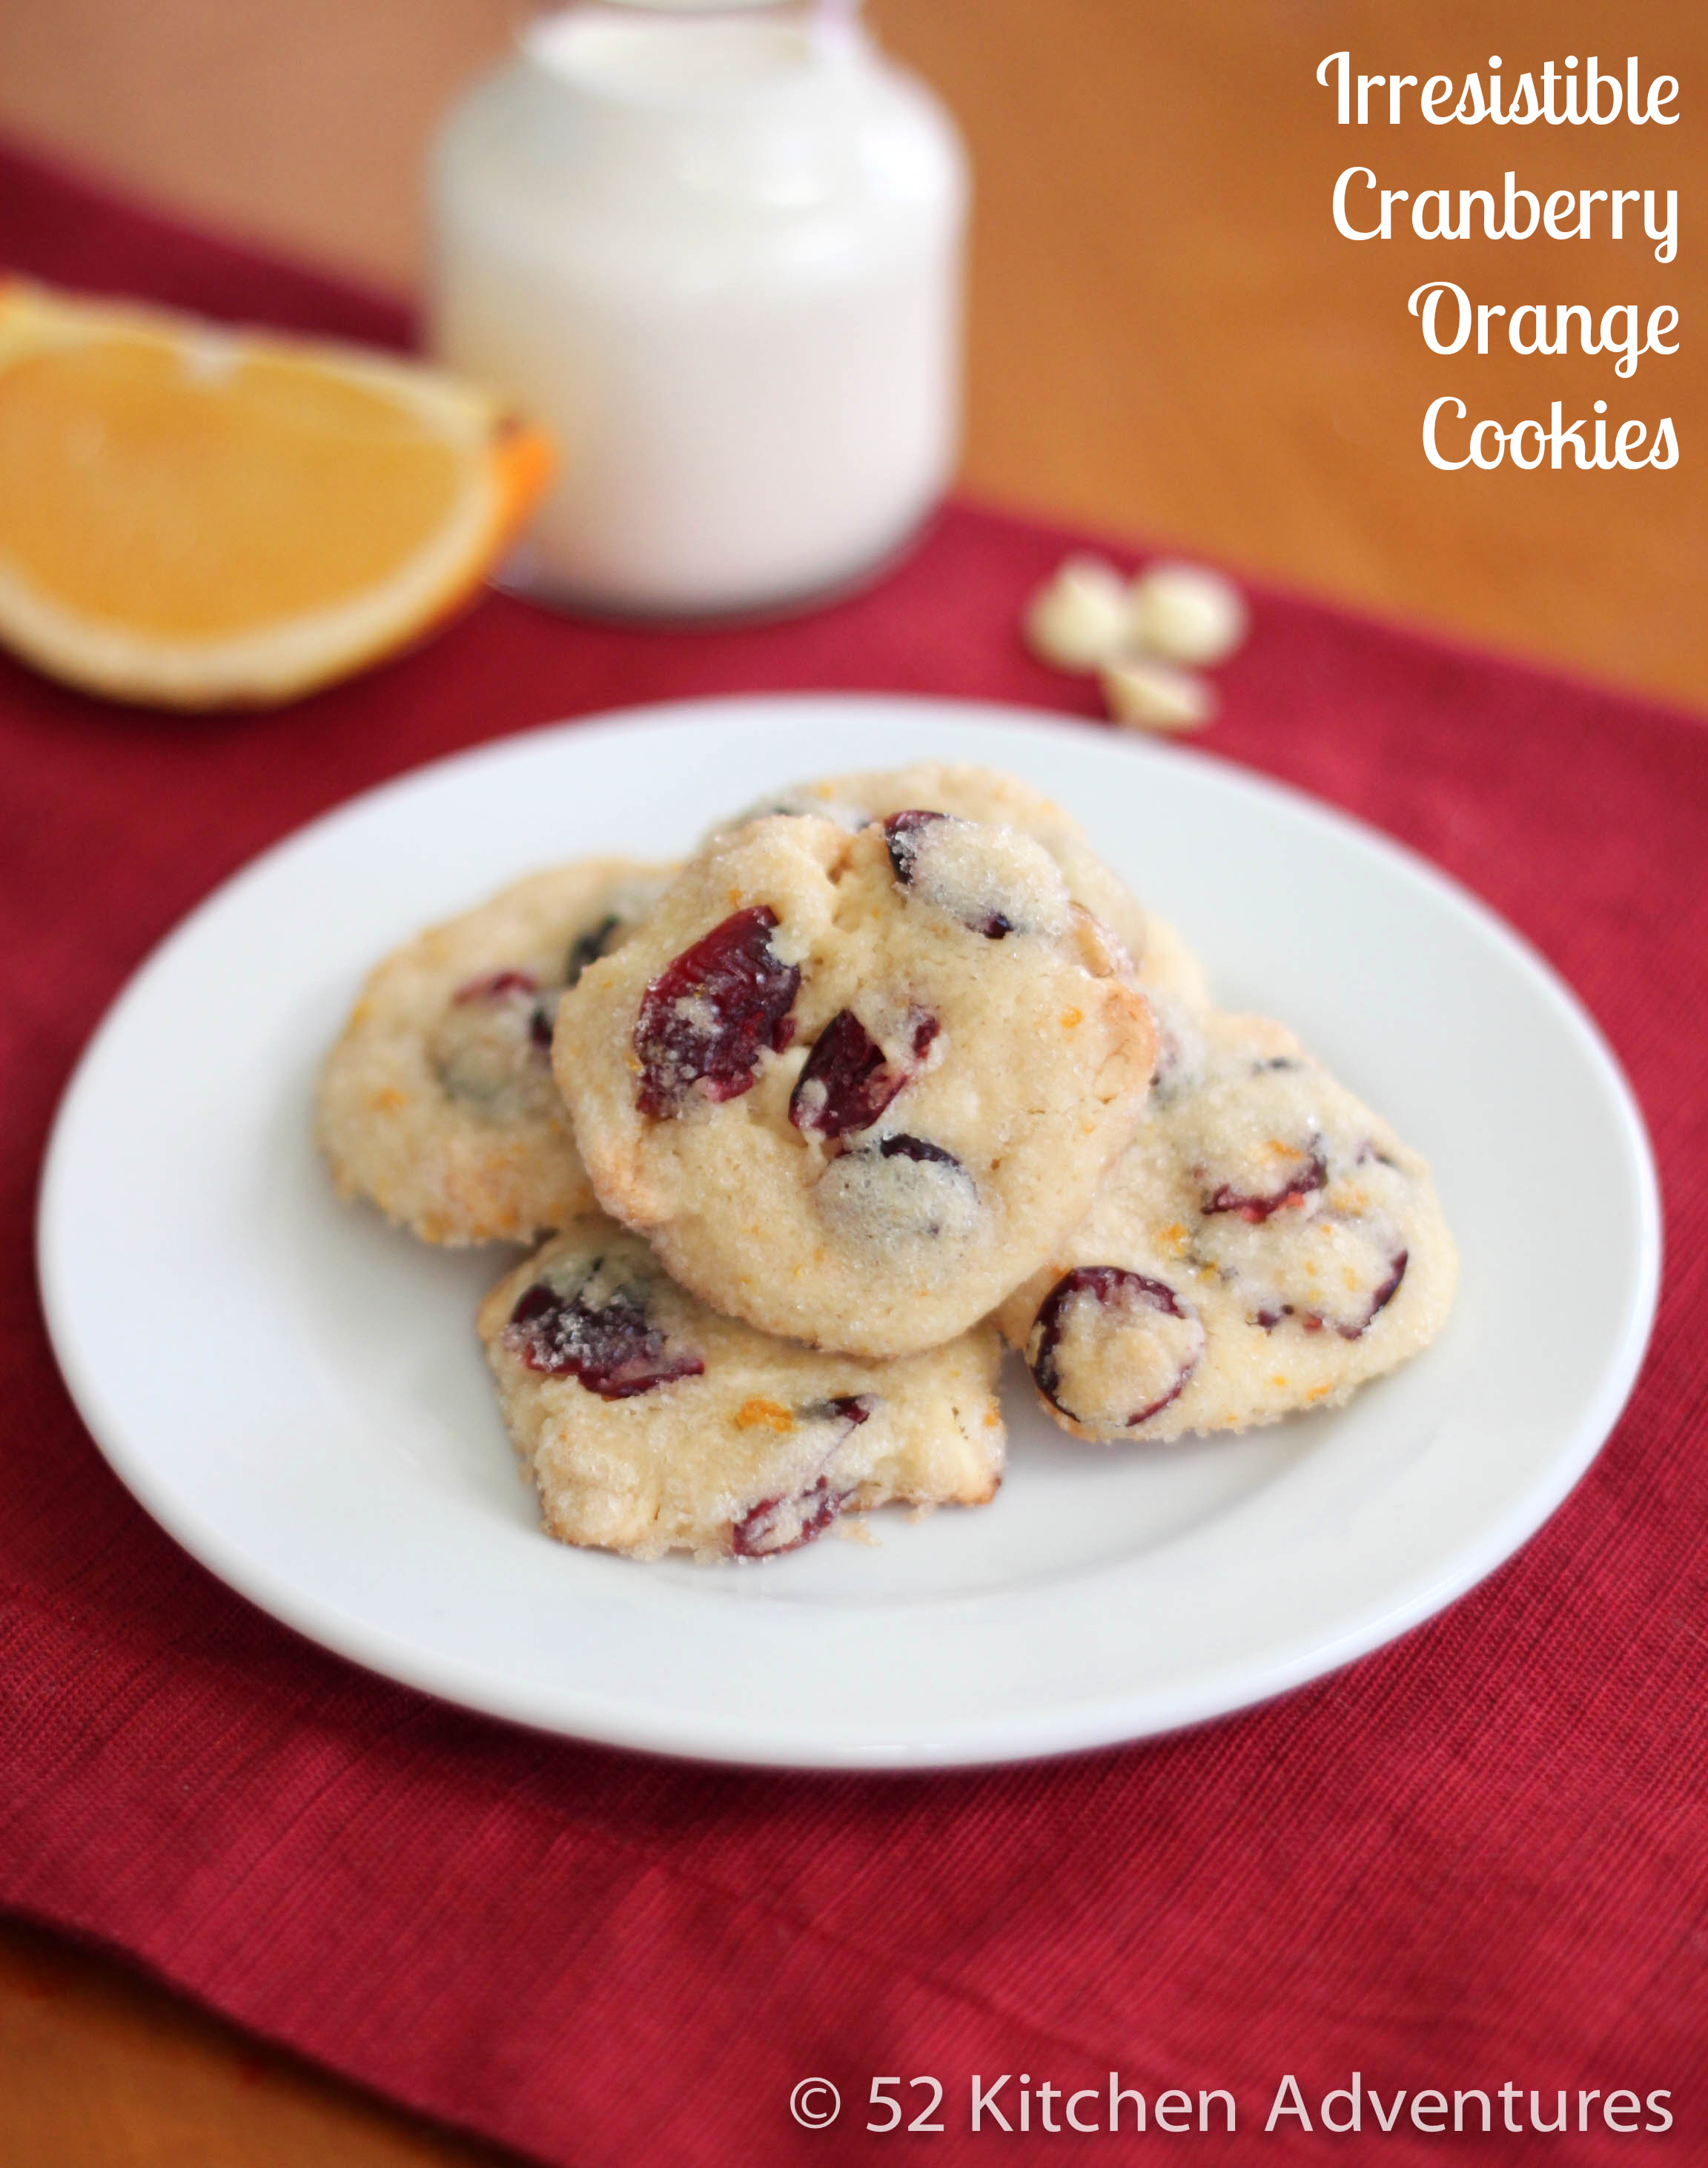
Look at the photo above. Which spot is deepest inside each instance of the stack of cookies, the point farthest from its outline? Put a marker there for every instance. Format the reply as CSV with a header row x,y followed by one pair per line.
x,y
892,1071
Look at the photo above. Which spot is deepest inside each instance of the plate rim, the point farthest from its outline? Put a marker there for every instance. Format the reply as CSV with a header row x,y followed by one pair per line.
x,y
1063,1726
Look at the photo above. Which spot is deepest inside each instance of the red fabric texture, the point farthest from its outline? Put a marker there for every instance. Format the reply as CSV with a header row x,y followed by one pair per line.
x,y
1478,1856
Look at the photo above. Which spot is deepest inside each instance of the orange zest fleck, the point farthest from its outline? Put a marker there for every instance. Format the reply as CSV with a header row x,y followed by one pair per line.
x,y
764,1415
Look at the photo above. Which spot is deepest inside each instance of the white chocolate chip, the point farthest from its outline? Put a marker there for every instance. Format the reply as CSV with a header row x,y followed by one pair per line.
x,y
1186,614
1080,618
1147,695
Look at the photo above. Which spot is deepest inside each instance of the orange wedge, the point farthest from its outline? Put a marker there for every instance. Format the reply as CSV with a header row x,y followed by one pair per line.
x,y
193,517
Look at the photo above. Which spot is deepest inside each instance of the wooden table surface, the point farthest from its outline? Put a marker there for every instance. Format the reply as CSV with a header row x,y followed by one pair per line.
x,y
1168,339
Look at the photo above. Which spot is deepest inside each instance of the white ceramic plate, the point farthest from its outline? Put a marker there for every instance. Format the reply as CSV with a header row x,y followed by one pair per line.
x,y
294,1390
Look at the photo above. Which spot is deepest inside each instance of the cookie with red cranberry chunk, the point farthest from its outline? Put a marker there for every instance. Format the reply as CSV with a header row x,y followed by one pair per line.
x,y
1265,1244
438,1103
854,1086
649,1423
988,795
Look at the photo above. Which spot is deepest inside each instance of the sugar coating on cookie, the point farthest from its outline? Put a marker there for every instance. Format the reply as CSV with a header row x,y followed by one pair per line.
x,y
438,1103
649,1423
1265,1244
854,1086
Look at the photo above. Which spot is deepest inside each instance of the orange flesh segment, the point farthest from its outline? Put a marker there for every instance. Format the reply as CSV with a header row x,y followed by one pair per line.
x,y
316,487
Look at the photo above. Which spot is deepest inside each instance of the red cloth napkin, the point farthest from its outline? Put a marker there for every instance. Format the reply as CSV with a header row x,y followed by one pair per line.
x,y
1478,1858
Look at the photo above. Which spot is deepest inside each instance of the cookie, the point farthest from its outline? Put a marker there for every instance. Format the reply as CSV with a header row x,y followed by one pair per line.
x,y
1265,1244
854,1087
1171,973
438,1103
650,1423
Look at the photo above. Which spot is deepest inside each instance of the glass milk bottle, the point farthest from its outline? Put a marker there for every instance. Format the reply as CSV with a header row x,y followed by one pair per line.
x,y
716,252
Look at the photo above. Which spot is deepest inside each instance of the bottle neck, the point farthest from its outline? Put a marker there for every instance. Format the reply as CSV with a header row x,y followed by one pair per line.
x,y
677,52
666,83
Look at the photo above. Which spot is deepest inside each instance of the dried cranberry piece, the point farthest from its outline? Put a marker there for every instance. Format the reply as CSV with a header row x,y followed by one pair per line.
x,y
925,1030
904,833
850,1408
710,1014
1380,1300
498,986
494,986
887,1191
1314,1175
1314,1321
612,1348
847,1083
587,948
906,1147
765,1530
1106,1284
901,832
